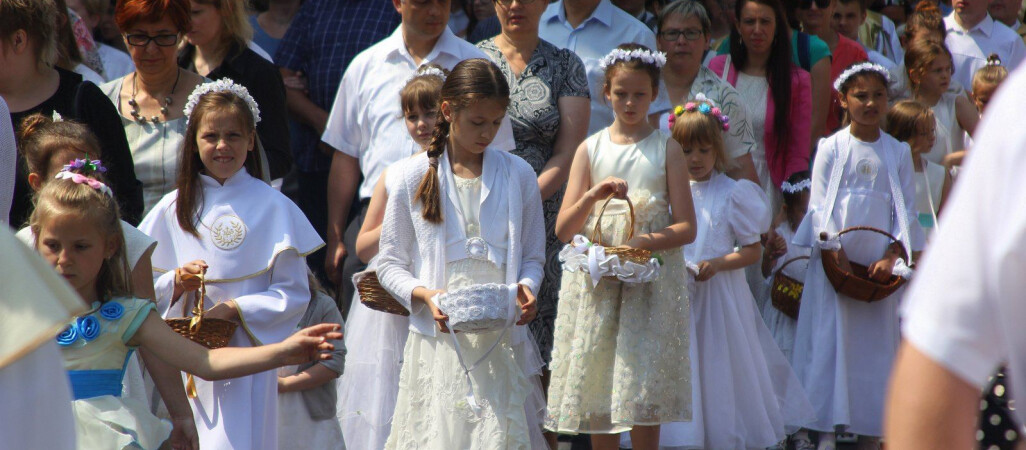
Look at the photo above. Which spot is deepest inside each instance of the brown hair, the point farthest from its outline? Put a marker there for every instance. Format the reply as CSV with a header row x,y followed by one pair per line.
x,y
128,13
926,17
470,81
68,53
423,90
41,141
235,27
189,201
905,118
992,74
919,55
651,69
64,196
693,128
38,19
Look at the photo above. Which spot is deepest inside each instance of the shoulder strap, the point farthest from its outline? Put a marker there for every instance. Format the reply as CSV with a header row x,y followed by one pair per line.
x,y
835,183
804,54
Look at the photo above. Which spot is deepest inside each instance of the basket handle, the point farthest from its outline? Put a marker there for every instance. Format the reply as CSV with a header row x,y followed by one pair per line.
x,y
788,262
904,253
596,233
197,312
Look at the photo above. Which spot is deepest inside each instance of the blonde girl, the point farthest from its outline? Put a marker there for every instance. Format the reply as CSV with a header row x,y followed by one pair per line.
x,y
929,67
912,123
620,359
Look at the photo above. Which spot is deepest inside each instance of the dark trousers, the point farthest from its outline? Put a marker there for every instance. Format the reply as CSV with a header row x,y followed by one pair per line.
x,y
310,192
351,264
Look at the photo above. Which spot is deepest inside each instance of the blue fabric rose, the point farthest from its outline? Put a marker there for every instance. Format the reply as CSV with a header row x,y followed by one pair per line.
x,y
112,310
89,327
68,336
704,108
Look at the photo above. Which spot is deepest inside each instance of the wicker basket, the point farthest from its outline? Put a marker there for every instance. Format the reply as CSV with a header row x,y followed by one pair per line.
x,y
375,297
208,332
786,292
856,283
625,253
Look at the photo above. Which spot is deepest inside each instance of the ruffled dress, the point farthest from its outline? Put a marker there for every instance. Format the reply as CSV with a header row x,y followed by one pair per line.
x,y
432,411
95,351
746,394
780,325
620,354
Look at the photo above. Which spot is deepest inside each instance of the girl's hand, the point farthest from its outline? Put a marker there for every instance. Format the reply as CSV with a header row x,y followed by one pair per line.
x,y
228,310
706,270
775,247
881,270
528,304
439,316
183,434
309,344
610,186
641,242
187,277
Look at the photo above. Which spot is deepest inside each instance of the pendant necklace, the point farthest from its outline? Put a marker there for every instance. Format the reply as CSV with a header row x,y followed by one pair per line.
x,y
163,109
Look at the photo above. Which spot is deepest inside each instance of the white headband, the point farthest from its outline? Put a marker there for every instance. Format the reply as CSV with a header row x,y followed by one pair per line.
x,y
427,71
646,56
859,68
222,85
797,187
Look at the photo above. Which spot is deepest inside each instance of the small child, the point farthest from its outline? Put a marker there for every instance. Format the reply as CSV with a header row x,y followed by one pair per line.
x,y
77,229
912,123
370,383
620,353
929,67
985,84
795,192
731,348
307,393
844,348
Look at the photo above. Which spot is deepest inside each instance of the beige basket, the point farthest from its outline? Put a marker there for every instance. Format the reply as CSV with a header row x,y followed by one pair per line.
x,y
208,332
625,253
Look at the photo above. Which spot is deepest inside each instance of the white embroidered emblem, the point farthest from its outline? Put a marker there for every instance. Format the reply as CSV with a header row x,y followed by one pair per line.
x,y
228,232
867,169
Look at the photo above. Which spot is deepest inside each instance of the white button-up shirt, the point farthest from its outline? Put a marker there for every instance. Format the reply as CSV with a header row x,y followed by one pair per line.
x,y
593,39
970,48
366,120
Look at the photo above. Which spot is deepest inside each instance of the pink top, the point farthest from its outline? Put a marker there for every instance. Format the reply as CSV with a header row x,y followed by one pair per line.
x,y
797,156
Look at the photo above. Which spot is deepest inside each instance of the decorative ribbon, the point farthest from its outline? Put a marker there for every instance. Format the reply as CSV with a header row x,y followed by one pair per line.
x,y
582,253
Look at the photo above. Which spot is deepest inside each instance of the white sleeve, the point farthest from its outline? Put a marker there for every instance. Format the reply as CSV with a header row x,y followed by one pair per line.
x,y
344,130
532,235
906,177
272,315
396,248
1018,53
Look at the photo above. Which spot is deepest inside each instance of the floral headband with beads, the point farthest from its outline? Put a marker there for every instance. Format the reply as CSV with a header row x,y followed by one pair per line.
x,y
646,56
702,104
859,68
797,187
74,171
222,85
427,72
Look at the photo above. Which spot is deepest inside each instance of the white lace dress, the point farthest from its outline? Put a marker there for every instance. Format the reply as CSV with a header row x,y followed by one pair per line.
x,y
432,410
620,354
746,394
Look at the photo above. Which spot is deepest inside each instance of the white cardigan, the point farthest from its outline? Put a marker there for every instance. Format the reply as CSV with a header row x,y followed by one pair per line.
x,y
412,250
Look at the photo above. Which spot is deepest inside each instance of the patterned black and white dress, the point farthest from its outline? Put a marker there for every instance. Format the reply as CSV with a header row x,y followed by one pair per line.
x,y
552,73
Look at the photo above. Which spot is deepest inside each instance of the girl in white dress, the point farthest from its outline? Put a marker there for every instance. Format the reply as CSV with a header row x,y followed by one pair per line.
x,y
248,241
77,229
912,123
929,68
844,347
620,359
744,392
779,250
370,383
464,214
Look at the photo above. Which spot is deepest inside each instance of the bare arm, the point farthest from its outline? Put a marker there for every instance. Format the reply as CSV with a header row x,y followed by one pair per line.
x,y
314,376
916,417
678,184
343,181
944,191
820,99
168,382
301,107
577,204
574,113
747,256
370,230
966,114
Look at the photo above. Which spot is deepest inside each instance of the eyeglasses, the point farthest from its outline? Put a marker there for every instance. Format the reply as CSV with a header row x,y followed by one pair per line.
x,y
820,4
142,40
508,3
690,34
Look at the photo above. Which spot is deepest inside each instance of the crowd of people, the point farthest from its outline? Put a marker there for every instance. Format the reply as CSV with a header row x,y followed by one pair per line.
x,y
621,223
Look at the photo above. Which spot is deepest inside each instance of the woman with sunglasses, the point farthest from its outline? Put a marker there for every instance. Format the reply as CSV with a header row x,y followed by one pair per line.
x,y
816,17
150,99
31,83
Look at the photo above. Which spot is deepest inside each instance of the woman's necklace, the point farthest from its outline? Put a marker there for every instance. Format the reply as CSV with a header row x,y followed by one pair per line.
x,y
163,109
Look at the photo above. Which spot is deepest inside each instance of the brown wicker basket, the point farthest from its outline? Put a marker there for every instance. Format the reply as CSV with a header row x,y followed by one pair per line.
x,y
208,332
855,282
375,297
786,292
635,255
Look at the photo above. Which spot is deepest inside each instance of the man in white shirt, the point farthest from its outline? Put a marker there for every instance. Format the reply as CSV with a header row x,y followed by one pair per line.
x,y
973,35
963,316
1007,12
366,127
591,29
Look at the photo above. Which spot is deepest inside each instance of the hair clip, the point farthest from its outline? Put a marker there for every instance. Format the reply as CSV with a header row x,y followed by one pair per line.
x,y
83,179
644,55
222,85
84,165
859,68
56,117
797,187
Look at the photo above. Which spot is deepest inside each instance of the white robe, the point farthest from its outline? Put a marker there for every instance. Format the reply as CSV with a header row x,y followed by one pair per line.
x,y
264,272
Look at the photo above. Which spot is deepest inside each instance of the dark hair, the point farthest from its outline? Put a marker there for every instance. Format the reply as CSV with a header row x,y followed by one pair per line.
x,y
40,139
926,17
422,91
860,75
779,68
128,13
652,70
790,198
189,203
38,18
904,119
470,81
68,53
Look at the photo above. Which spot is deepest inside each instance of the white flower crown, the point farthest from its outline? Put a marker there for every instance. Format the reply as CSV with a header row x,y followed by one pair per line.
x,y
859,68
222,85
646,56
797,187
427,71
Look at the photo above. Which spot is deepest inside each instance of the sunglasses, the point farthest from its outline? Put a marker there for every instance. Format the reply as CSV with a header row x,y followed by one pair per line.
x,y
820,4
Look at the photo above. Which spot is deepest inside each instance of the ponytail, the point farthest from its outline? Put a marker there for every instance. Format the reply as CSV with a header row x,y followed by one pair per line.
x,y
428,191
